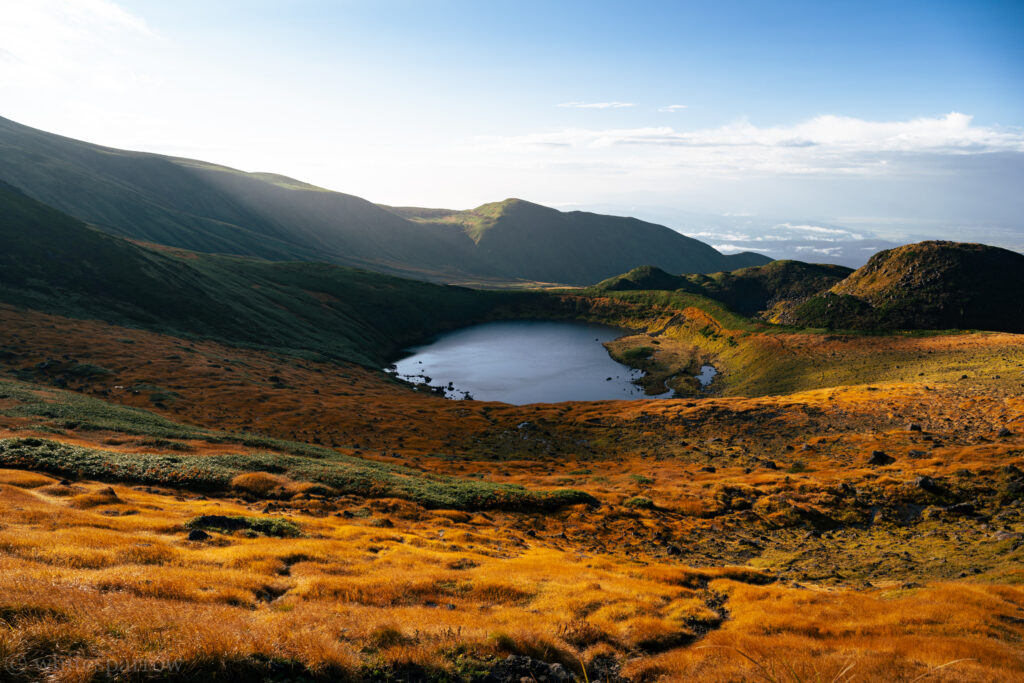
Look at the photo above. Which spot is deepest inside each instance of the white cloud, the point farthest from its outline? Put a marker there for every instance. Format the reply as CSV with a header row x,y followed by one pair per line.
x,y
672,108
88,69
596,105
822,234
68,43
46,22
781,232
105,12
825,251
723,235
833,145
737,248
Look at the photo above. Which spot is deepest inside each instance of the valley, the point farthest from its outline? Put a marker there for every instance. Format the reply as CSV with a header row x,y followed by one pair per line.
x,y
206,472
678,522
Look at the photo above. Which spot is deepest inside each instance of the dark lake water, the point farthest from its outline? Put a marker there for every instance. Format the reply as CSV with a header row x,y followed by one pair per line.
x,y
524,361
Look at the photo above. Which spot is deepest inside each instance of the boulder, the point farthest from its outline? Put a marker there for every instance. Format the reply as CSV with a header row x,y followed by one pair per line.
x,y
516,668
880,458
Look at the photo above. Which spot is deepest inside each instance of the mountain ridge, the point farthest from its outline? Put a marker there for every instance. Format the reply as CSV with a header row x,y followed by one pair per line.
x,y
55,263
757,291
510,230
212,208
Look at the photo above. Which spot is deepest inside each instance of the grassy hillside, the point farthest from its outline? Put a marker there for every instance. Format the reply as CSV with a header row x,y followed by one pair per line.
x,y
928,285
298,463
210,208
55,263
575,247
749,291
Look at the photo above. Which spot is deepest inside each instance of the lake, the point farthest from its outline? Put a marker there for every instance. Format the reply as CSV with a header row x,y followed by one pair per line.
x,y
524,361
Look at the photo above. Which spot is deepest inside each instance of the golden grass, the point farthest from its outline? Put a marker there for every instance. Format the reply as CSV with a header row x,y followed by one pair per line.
x,y
88,588
817,635
728,577
25,480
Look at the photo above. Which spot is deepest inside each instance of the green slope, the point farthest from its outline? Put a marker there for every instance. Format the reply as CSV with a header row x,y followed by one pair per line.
x,y
209,208
927,285
644,278
749,291
576,247
52,262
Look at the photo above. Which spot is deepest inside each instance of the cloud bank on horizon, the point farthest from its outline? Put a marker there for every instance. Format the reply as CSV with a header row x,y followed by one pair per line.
x,y
822,132
941,177
824,144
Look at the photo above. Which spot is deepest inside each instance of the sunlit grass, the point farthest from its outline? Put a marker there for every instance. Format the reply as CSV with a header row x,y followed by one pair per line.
x,y
87,588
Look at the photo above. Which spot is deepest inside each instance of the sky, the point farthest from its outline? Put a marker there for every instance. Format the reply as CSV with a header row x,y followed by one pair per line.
x,y
815,130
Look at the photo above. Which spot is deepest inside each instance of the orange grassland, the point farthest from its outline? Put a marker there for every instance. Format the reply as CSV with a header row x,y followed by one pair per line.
x,y
737,538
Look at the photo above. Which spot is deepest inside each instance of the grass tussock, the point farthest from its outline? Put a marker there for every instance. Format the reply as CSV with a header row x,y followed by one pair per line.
x,y
267,526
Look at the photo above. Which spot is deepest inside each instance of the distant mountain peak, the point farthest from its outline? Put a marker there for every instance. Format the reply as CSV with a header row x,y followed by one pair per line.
x,y
204,207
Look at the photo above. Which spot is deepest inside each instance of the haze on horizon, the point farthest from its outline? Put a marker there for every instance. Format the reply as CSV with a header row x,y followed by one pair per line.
x,y
819,131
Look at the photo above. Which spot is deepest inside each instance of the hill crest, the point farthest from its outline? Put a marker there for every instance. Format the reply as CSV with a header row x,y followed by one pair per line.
x,y
765,290
927,285
210,208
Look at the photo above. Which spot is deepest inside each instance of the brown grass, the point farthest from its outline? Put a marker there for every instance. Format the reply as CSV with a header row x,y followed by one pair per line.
x,y
732,575
99,588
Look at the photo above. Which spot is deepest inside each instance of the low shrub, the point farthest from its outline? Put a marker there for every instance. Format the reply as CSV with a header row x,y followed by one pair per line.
x,y
267,526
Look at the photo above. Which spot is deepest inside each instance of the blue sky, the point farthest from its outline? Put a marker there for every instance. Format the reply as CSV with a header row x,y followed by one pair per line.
x,y
822,130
